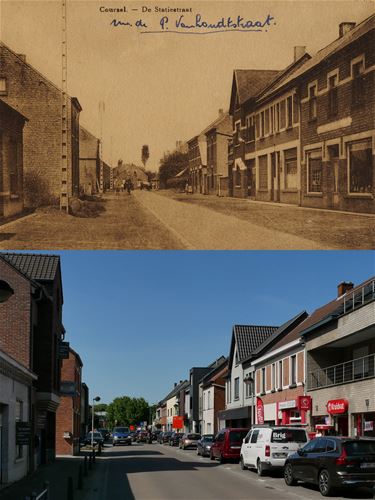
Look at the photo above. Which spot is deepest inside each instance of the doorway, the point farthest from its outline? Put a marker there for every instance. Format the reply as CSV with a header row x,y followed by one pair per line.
x,y
333,189
251,179
275,171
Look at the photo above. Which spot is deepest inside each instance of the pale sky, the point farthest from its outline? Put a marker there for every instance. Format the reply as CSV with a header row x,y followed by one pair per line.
x,y
160,88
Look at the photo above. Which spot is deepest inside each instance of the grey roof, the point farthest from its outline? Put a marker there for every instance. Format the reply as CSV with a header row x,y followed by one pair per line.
x,y
36,267
249,337
220,363
281,332
338,44
179,387
250,82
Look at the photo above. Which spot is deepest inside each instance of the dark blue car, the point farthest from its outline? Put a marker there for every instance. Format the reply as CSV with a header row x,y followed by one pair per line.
x,y
121,435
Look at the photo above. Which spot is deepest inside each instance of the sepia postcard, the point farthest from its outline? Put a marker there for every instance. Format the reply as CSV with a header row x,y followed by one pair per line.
x,y
187,125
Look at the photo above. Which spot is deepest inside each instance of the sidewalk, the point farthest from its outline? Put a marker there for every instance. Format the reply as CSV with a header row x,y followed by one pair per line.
x,y
56,474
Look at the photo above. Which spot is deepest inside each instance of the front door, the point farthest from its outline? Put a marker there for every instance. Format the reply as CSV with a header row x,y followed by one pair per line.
x,y
333,189
275,187
251,179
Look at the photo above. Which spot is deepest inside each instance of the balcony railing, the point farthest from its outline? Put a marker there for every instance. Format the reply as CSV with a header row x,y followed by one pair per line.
x,y
359,297
343,373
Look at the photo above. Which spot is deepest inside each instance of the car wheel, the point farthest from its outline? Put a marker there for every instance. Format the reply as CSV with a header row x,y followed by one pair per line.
x,y
242,463
288,475
324,483
221,459
260,468
211,456
198,452
114,444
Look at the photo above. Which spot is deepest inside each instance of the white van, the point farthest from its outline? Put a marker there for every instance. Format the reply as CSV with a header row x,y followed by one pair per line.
x,y
266,447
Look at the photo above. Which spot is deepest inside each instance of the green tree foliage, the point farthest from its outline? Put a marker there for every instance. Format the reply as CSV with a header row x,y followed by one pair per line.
x,y
101,407
145,154
171,165
127,411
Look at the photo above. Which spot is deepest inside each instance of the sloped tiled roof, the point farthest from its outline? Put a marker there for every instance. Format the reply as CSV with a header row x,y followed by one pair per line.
x,y
338,44
249,337
176,390
250,82
34,266
280,333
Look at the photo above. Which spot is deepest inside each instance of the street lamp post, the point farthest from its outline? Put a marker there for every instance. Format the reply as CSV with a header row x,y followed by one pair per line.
x,y
97,398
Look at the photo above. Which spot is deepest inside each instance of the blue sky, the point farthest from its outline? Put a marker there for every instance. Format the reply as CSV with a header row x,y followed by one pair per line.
x,y
141,320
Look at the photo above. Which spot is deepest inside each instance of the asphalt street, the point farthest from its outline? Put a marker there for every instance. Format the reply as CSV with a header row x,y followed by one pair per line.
x,y
154,472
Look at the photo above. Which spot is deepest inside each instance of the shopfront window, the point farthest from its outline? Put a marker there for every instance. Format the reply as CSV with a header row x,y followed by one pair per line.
x,y
360,167
315,171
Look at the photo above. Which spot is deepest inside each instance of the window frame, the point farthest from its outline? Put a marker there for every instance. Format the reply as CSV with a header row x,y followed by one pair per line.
x,y
348,145
308,153
313,100
236,388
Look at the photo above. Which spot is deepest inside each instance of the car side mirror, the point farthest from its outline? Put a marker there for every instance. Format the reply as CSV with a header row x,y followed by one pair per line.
x,y
301,453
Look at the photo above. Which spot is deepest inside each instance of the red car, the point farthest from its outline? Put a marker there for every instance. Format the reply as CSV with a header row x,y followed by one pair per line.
x,y
227,444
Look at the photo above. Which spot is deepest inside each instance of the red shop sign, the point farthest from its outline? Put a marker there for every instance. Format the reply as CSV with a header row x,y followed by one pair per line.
x,y
260,411
335,406
304,403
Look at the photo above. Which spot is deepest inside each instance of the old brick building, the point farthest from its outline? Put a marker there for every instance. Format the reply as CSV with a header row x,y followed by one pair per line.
x,y
246,85
38,316
11,160
68,415
89,162
305,135
34,96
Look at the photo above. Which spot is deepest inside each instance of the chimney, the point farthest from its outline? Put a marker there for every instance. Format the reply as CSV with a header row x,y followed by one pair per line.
x,y
221,112
175,384
345,28
299,51
344,287
22,56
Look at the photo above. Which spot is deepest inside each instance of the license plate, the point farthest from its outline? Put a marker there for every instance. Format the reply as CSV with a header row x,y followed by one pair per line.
x,y
235,447
368,465
280,455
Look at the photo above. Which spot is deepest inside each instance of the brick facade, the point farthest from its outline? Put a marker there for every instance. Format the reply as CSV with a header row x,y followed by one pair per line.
x,y
68,415
33,95
15,316
11,160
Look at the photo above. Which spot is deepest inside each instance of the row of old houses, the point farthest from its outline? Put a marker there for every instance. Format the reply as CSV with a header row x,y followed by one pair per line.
x,y
317,370
43,400
32,147
303,135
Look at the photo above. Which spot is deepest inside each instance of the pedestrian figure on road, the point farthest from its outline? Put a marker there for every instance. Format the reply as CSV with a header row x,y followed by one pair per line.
x,y
128,186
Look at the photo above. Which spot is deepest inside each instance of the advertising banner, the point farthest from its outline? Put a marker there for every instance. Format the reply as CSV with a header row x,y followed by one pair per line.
x,y
178,422
260,411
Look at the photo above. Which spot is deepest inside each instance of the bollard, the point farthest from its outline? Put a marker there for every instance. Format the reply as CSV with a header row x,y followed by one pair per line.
x,y
85,466
46,487
70,492
93,457
90,462
80,480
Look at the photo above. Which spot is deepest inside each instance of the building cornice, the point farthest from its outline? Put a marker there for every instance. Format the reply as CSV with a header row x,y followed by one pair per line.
x,y
13,369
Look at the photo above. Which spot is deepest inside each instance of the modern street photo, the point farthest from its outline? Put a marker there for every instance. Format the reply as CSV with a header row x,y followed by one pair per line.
x,y
187,375
230,125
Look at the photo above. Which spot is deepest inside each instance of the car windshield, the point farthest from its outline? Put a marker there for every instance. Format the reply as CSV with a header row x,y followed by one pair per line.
x,y
208,438
288,436
360,448
193,436
121,429
237,436
96,434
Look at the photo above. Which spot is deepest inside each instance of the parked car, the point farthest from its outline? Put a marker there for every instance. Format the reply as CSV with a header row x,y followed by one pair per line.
x,y
267,447
204,445
227,444
142,437
104,433
189,440
97,438
165,437
121,435
175,438
155,435
333,461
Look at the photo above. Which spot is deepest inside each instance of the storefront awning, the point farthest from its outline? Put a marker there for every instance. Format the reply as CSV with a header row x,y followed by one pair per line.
x,y
235,414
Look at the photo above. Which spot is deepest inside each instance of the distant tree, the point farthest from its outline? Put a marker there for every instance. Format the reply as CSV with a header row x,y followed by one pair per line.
x,y
101,407
171,164
127,411
145,154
